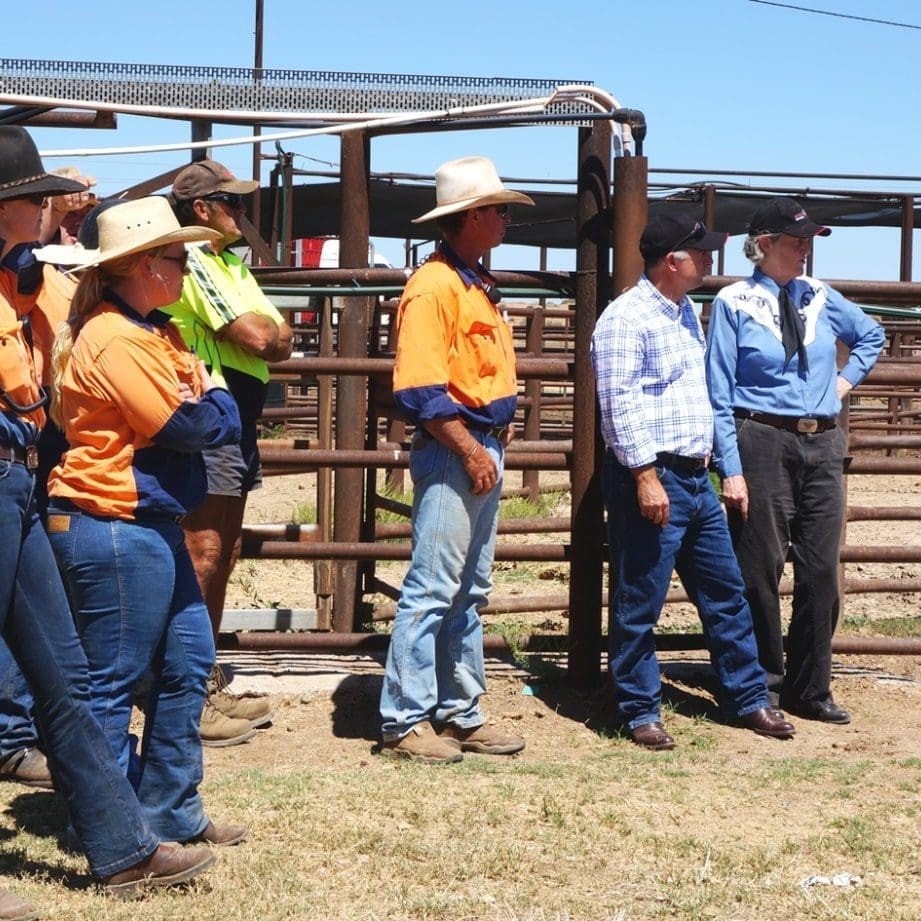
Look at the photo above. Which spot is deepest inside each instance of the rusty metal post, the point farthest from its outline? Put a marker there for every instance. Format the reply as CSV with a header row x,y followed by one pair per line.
x,y
351,392
630,188
593,234
201,131
908,227
323,576
710,221
534,338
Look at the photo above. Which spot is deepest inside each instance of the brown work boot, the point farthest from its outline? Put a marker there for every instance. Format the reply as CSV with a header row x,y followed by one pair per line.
x,y
421,744
26,766
225,835
257,710
13,908
168,865
482,739
219,730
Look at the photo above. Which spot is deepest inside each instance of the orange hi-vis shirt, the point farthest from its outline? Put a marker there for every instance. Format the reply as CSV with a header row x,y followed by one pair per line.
x,y
455,354
20,366
135,443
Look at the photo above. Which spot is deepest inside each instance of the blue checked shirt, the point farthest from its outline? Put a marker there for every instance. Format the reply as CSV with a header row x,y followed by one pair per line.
x,y
648,356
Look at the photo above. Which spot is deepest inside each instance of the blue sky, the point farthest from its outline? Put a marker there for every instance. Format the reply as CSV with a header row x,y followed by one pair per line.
x,y
724,84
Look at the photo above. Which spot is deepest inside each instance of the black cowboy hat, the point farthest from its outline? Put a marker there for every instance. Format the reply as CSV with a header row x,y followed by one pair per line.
x,y
21,169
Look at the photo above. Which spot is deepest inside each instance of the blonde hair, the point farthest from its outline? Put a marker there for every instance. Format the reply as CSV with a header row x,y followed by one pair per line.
x,y
87,297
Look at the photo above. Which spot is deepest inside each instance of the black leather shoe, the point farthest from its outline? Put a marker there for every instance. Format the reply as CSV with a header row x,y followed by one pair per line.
x,y
652,736
768,722
825,711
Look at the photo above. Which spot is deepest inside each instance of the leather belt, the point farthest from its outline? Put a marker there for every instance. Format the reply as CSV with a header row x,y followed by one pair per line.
x,y
27,456
802,425
681,463
496,431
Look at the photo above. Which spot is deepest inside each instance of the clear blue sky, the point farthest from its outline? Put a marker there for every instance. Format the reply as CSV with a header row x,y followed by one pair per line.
x,y
724,84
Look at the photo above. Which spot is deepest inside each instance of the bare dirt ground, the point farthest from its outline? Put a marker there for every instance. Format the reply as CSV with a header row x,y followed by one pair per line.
x,y
533,694
581,825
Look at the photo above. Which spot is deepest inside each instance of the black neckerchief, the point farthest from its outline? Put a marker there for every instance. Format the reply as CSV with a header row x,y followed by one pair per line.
x,y
21,261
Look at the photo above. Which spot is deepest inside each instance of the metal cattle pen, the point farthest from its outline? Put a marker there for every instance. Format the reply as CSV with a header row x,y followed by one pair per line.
x,y
350,365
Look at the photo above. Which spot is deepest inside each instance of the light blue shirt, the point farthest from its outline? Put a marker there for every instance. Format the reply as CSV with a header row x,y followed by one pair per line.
x,y
746,366
648,356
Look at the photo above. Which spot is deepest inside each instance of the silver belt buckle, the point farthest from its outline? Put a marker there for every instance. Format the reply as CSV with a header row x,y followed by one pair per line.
x,y
807,426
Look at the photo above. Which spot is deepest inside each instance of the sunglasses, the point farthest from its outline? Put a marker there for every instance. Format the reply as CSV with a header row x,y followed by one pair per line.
x,y
229,198
36,198
698,233
183,260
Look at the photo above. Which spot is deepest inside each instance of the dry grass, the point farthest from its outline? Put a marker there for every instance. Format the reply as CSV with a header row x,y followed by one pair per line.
x,y
583,825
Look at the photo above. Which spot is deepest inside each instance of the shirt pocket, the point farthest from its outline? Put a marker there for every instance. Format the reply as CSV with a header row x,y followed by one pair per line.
x,y
483,347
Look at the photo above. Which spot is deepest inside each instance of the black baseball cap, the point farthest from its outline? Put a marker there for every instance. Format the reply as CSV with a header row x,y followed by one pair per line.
x,y
667,233
785,215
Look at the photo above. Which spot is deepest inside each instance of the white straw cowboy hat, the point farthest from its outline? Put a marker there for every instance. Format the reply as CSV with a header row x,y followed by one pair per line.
x,y
470,182
130,227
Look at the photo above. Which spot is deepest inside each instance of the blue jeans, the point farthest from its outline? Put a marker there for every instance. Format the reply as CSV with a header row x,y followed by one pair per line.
x,y
17,721
435,668
138,607
695,543
39,631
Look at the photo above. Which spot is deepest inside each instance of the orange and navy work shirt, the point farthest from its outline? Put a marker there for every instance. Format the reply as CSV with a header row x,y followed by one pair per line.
x,y
455,354
135,444
22,337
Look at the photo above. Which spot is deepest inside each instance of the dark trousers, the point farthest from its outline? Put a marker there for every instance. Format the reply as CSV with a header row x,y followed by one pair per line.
x,y
795,506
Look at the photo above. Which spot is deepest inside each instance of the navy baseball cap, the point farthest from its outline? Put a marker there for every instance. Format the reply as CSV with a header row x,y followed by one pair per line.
x,y
667,233
785,215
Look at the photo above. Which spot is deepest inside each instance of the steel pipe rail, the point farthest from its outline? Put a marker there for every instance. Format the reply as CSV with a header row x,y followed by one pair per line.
x,y
312,459
350,643
562,283
892,292
345,550
386,530
549,368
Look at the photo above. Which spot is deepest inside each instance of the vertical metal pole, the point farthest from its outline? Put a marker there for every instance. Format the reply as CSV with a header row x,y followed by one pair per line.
x,y
257,130
630,210
592,292
908,226
534,338
323,574
201,131
710,221
351,390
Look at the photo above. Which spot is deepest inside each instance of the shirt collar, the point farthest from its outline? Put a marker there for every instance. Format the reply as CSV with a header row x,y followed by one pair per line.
x,y
155,318
668,307
471,277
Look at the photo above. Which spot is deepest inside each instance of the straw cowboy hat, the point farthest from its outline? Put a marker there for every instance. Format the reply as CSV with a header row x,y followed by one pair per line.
x,y
130,227
470,182
22,171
